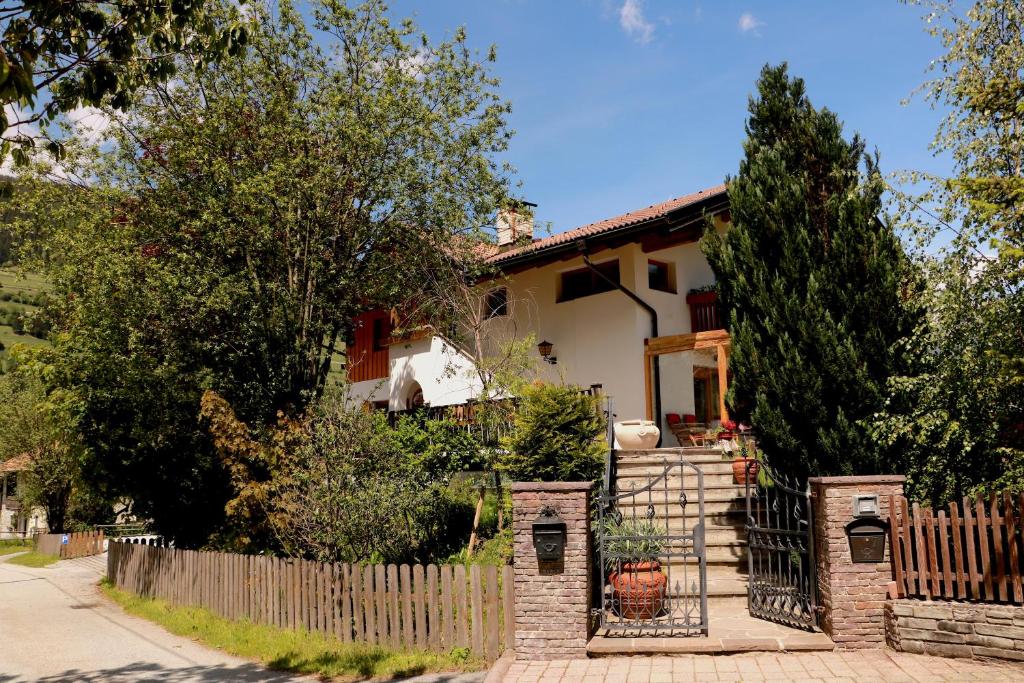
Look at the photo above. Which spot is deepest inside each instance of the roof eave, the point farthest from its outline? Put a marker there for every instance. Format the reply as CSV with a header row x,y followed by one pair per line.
x,y
673,220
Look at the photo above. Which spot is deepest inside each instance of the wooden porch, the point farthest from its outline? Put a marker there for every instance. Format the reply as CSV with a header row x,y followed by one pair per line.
x,y
718,340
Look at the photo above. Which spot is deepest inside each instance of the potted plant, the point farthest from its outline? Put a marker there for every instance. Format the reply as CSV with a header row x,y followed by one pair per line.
x,y
746,465
634,571
727,431
707,294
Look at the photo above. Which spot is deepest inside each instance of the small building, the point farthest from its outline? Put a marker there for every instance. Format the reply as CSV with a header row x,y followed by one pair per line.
x,y
17,521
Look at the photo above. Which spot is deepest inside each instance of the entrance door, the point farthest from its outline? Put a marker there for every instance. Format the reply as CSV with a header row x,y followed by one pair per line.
x,y
651,551
781,585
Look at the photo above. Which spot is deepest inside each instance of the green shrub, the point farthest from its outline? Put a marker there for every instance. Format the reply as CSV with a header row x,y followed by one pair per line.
x,y
352,494
440,447
556,436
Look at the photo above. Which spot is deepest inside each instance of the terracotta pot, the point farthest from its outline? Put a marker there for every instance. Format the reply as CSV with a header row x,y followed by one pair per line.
x,y
638,591
740,470
636,435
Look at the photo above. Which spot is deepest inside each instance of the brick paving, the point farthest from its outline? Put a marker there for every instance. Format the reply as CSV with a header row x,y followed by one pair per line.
x,y
834,667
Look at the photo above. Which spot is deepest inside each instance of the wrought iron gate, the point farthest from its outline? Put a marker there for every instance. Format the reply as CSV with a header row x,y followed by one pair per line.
x,y
782,585
652,557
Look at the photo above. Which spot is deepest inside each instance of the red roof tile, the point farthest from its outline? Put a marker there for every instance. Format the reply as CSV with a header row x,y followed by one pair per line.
x,y
625,220
16,463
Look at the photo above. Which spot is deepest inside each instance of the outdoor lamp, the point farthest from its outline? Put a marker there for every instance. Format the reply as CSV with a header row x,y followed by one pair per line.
x,y
544,349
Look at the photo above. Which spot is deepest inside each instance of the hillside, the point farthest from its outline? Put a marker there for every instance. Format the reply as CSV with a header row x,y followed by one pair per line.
x,y
19,294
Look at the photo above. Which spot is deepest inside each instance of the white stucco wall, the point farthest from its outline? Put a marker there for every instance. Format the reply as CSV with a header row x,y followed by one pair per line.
x,y
444,374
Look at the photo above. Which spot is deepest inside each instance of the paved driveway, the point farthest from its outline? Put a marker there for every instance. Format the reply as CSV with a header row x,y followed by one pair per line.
x,y
54,626
865,666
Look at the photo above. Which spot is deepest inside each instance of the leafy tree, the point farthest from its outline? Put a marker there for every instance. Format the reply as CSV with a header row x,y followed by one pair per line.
x,y
239,222
980,82
31,424
813,281
556,436
57,56
958,415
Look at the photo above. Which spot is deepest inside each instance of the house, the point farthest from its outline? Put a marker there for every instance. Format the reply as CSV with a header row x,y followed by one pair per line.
x,y
626,303
15,520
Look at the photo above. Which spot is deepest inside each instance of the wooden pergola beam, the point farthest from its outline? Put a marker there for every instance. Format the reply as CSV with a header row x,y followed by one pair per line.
x,y
678,343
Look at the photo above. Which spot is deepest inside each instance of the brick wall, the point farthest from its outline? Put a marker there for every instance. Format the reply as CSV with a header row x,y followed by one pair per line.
x,y
852,595
552,603
955,629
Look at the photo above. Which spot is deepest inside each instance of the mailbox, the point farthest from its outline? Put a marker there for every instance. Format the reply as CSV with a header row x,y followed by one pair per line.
x,y
867,539
549,536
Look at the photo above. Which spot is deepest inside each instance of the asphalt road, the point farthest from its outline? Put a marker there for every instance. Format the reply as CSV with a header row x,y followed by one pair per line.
x,y
56,626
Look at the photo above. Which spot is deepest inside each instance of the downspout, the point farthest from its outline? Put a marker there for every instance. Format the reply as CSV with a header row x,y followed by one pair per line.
x,y
582,246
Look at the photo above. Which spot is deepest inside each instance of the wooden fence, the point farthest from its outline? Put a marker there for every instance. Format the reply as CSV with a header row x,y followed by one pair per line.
x,y
435,608
972,552
80,544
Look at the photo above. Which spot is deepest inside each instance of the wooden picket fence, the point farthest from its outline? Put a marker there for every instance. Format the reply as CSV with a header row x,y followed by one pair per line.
x,y
972,552
405,607
80,544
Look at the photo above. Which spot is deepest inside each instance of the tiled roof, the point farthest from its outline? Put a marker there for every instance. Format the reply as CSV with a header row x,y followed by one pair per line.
x,y
625,220
16,463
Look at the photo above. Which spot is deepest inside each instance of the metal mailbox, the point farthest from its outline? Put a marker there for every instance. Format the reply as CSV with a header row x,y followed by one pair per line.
x,y
549,536
867,539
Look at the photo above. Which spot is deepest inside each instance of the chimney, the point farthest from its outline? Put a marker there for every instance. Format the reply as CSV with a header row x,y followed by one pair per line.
x,y
515,223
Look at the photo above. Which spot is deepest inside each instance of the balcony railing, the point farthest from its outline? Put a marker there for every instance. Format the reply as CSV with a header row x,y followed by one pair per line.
x,y
705,314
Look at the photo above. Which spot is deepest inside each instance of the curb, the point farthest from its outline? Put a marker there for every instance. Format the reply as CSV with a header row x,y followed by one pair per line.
x,y
496,674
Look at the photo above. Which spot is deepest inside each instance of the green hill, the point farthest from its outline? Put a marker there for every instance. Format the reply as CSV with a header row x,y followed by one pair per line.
x,y
20,293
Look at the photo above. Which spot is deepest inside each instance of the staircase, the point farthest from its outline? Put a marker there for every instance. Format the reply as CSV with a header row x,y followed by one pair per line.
x,y
725,512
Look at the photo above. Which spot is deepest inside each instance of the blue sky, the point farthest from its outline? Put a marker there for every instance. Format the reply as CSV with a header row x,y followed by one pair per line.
x,y
618,104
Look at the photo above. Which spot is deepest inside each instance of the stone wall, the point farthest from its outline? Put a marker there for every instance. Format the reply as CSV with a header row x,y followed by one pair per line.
x,y
552,609
955,629
852,595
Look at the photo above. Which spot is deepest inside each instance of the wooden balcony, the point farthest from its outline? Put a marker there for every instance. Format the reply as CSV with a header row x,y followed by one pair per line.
x,y
705,314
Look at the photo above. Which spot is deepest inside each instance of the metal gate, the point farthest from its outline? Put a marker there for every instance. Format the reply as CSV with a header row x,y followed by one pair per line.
x,y
782,585
652,557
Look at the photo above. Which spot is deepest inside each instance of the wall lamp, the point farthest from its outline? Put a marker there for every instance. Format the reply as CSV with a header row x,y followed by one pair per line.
x,y
544,349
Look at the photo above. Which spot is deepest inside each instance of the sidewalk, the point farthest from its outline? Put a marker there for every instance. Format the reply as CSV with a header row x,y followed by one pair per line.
x,y
838,667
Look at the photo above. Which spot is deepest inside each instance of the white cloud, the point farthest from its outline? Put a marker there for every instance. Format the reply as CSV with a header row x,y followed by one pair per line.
x,y
633,22
749,23
89,123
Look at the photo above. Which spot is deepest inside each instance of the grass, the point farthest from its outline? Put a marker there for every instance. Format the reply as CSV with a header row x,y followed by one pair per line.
x,y
33,559
14,281
284,650
14,546
18,282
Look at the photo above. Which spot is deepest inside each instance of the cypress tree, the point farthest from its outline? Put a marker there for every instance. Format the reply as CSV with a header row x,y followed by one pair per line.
x,y
811,278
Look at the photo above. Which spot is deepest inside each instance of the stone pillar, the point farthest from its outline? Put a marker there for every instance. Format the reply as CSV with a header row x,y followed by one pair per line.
x,y
552,601
852,595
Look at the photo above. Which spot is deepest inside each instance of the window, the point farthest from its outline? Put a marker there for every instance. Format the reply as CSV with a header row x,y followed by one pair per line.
x,y
660,277
380,334
576,284
497,302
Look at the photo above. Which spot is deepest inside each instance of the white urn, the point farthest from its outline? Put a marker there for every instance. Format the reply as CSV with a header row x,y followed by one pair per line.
x,y
636,435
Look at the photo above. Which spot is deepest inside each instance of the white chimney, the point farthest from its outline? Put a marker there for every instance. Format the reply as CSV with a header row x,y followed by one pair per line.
x,y
515,223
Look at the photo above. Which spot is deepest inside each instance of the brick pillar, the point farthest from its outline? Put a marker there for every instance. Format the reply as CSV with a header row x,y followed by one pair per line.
x,y
552,601
852,596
